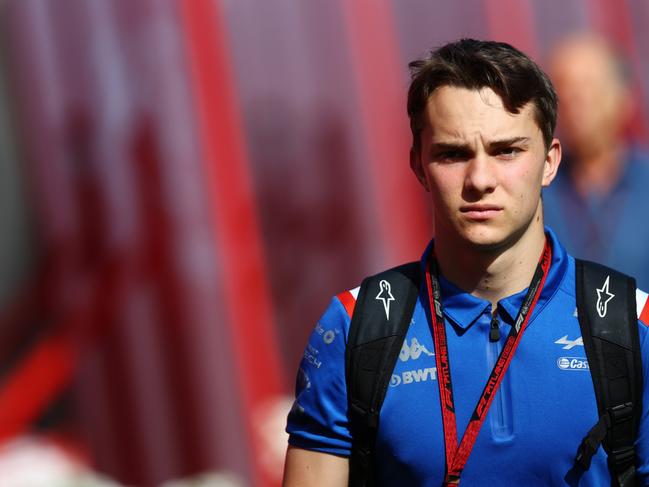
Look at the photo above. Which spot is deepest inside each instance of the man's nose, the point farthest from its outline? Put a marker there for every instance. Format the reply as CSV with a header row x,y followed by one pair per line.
x,y
480,175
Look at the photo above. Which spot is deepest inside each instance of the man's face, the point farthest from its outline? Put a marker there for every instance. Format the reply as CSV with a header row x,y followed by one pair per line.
x,y
483,166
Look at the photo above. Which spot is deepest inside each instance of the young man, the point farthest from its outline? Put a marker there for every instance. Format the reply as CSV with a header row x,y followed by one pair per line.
x,y
482,116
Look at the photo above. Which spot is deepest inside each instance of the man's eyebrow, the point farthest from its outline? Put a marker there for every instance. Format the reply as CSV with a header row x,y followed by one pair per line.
x,y
508,142
446,146
494,144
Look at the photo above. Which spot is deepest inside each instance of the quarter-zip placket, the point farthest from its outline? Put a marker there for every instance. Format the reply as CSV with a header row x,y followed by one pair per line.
x,y
500,411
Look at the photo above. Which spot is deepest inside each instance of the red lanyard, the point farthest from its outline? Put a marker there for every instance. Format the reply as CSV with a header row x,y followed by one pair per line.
x,y
457,456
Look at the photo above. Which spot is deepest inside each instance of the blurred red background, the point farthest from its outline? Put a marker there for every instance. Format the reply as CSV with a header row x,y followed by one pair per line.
x,y
183,186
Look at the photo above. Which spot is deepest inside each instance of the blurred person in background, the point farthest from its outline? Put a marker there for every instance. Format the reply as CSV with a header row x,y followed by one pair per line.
x,y
465,397
599,201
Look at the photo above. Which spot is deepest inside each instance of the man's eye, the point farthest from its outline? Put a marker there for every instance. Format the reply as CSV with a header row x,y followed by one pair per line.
x,y
452,155
508,152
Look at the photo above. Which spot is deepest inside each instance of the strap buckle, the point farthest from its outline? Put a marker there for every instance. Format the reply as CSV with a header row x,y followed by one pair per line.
x,y
621,457
624,455
614,416
620,414
621,464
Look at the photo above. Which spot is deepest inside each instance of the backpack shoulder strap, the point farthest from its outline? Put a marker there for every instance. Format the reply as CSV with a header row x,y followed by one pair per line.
x,y
378,327
609,326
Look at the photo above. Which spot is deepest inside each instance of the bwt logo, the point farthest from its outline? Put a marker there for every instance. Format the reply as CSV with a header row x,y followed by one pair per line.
x,y
412,376
572,363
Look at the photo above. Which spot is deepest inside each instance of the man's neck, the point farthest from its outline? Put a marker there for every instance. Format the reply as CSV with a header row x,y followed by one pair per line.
x,y
495,273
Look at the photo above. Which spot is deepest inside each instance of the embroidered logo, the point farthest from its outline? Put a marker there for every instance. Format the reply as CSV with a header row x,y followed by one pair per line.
x,y
413,351
603,298
385,295
572,363
569,344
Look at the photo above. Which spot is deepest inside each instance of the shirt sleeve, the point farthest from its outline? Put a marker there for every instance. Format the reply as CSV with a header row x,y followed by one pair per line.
x,y
318,419
642,442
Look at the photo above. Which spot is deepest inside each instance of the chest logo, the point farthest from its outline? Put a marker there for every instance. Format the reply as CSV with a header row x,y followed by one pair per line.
x,y
572,363
413,351
603,298
569,344
385,295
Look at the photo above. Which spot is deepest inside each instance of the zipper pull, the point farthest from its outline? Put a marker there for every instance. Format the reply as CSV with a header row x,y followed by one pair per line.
x,y
494,330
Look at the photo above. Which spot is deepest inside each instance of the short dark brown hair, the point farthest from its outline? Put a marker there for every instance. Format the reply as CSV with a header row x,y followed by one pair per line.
x,y
474,64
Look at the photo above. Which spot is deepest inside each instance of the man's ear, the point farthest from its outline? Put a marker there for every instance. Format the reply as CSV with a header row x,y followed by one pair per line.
x,y
552,161
415,165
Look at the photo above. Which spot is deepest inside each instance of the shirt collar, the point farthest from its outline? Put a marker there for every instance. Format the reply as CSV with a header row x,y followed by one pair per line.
x,y
463,309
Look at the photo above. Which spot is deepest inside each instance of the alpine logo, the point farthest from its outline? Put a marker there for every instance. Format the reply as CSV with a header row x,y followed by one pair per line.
x,y
385,295
572,363
569,344
603,298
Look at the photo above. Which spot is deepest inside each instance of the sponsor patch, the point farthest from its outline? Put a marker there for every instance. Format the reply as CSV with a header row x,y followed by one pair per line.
x,y
310,355
569,344
572,363
328,336
413,351
413,376
319,329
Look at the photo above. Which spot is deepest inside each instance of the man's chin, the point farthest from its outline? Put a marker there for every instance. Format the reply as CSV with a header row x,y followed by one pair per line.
x,y
492,238
485,241
488,246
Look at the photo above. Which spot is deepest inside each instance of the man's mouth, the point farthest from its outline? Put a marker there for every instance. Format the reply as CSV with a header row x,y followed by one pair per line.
x,y
480,212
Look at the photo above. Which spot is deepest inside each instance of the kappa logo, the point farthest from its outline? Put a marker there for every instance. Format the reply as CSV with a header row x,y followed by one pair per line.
x,y
603,298
569,344
385,295
413,351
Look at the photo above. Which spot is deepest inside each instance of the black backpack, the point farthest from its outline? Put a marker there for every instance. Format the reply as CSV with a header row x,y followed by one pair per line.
x,y
611,344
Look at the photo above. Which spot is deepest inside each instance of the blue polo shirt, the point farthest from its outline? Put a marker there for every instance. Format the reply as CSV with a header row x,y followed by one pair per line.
x,y
544,407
